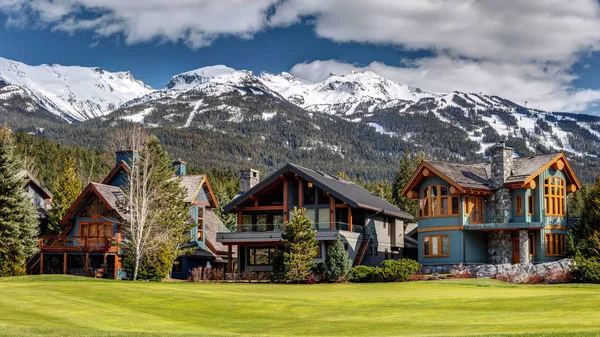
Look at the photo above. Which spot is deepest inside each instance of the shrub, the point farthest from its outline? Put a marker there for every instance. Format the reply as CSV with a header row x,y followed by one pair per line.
x,y
196,274
586,270
361,274
461,273
399,270
337,263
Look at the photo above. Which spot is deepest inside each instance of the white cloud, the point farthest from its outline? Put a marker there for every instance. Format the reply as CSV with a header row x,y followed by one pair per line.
x,y
195,22
542,86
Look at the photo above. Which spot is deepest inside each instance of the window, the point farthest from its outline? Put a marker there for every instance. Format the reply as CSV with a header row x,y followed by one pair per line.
x,y
474,209
178,265
519,205
554,197
319,251
555,244
438,202
436,246
309,193
260,256
531,205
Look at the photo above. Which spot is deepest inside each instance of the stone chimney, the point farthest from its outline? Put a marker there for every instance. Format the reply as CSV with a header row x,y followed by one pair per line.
x,y
502,162
181,167
248,178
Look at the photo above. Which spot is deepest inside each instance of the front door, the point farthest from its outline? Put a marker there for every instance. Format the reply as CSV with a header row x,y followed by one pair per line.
x,y
516,258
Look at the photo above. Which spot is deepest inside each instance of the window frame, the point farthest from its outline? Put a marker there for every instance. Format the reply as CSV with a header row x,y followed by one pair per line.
x,y
270,262
531,205
428,201
555,244
472,204
519,205
440,237
554,197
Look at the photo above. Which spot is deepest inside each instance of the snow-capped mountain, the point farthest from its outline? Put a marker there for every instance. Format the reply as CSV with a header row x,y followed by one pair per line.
x,y
72,92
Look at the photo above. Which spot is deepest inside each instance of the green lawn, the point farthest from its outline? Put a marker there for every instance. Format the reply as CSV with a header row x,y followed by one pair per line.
x,y
70,306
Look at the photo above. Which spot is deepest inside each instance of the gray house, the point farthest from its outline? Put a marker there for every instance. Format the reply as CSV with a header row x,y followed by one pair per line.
x,y
39,195
371,228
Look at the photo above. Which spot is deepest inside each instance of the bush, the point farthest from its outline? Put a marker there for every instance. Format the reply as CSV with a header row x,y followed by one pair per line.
x,y
586,270
391,271
337,263
399,270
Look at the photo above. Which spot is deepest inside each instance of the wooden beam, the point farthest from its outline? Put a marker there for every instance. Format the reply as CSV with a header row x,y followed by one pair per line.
x,y
300,192
285,201
426,173
415,194
331,212
115,266
349,219
64,263
239,221
229,259
41,263
442,228
571,188
559,165
87,263
261,208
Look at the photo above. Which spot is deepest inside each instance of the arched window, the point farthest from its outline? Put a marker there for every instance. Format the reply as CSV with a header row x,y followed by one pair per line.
x,y
554,197
438,202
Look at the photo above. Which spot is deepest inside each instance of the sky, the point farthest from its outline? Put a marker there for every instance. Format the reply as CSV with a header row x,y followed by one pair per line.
x,y
542,53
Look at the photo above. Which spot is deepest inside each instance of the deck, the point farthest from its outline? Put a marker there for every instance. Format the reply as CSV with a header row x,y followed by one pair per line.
x,y
78,244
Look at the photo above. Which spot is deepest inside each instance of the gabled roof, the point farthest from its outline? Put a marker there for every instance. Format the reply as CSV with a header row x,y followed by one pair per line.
x,y
122,165
193,185
477,177
32,179
108,194
349,192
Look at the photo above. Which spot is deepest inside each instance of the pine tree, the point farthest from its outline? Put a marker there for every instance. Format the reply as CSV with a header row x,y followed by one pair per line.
x,y
300,241
18,217
588,229
405,171
337,262
66,190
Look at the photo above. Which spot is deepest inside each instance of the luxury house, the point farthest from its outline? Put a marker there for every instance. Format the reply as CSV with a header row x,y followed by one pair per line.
x,y
39,195
371,228
512,210
90,242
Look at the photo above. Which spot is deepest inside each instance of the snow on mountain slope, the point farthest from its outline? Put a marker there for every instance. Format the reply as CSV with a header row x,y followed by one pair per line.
x,y
72,92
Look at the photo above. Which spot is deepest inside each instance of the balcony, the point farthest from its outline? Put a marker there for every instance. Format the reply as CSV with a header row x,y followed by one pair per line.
x,y
264,233
78,244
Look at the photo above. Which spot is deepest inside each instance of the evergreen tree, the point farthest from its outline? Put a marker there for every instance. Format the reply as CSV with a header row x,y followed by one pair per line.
x,y
300,241
18,217
337,262
66,190
588,228
405,171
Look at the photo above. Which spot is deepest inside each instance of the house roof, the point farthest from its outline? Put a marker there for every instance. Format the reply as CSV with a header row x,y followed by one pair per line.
x,y
108,194
193,185
32,179
122,165
349,192
212,226
478,176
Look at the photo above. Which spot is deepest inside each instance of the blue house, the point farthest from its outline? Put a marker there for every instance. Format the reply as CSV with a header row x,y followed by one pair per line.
x,y
90,242
510,210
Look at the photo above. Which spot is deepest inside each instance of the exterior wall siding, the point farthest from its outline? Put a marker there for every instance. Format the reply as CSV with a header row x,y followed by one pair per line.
x,y
456,248
475,247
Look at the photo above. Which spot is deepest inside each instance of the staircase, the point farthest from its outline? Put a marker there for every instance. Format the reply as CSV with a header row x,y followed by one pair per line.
x,y
33,265
360,253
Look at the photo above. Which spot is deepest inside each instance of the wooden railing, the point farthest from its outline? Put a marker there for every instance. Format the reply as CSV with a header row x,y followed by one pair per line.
x,y
79,244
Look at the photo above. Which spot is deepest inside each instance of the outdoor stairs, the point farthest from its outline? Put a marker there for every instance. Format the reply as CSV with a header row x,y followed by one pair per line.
x,y
360,254
33,265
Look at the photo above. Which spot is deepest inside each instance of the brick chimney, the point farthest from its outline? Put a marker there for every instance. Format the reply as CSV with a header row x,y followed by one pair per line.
x,y
502,162
181,167
248,178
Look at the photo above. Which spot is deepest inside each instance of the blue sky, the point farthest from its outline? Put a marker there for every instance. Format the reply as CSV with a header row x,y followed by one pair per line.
x,y
542,52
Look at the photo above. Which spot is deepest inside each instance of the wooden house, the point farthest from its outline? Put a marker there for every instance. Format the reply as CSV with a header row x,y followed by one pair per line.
x,y
40,197
91,241
371,228
510,210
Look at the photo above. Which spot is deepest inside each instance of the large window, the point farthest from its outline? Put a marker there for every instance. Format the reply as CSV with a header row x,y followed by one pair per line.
x,y
261,256
436,246
474,209
438,202
554,196
555,244
519,205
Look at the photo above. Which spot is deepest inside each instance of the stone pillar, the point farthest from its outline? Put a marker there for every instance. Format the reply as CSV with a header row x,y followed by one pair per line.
x,y
524,246
248,178
499,247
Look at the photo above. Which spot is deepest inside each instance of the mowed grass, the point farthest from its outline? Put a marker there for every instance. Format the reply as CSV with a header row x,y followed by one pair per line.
x,y
70,306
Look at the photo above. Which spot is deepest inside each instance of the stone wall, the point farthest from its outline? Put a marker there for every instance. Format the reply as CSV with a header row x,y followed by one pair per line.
x,y
491,270
499,247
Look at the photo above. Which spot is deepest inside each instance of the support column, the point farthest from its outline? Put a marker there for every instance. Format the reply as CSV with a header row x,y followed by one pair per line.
x,y
41,263
349,219
64,263
229,258
524,246
331,212
87,264
115,266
